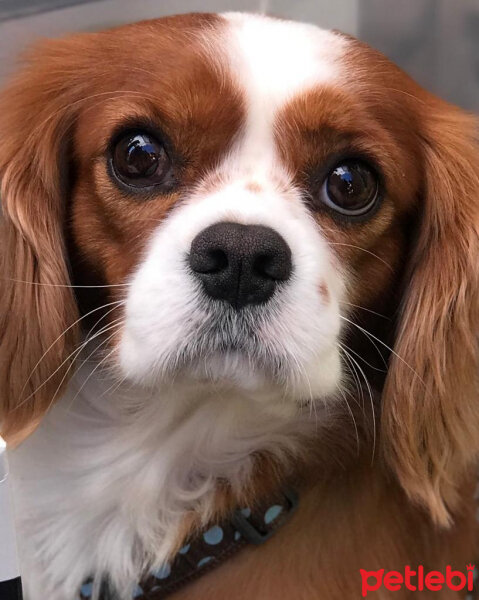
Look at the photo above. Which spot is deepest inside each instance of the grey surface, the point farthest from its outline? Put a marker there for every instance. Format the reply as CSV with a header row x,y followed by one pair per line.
x,y
10,9
436,41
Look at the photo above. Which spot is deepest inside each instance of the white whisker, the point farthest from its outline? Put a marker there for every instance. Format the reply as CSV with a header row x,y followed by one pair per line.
x,y
371,401
369,334
72,356
116,303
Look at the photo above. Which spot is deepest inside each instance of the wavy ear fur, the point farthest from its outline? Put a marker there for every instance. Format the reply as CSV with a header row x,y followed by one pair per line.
x,y
36,307
431,399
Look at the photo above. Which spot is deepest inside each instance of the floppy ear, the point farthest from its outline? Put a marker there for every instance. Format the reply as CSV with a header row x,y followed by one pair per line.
x,y
431,399
36,307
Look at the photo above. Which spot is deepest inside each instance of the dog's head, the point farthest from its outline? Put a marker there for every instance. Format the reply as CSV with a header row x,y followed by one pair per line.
x,y
237,194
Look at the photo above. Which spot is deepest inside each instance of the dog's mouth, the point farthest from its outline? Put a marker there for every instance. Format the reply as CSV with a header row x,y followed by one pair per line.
x,y
271,346
230,344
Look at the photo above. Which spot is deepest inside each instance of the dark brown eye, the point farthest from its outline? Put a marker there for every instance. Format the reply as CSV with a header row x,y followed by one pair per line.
x,y
351,188
139,160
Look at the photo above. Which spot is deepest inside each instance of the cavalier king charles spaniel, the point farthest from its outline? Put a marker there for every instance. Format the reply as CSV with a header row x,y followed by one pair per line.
x,y
239,255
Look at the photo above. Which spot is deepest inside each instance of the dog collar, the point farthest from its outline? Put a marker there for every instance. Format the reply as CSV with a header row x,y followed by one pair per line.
x,y
209,549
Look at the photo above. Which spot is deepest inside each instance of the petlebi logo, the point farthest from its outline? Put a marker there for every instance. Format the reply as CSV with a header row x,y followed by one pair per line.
x,y
417,580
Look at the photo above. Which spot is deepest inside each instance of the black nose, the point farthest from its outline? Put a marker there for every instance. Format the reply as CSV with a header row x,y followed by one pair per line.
x,y
240,263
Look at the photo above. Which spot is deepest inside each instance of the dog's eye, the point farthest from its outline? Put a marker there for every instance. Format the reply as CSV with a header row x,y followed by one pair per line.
x,y
351,188
139,160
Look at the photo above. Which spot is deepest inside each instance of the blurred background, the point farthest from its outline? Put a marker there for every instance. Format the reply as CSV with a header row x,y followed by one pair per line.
x,y
436,41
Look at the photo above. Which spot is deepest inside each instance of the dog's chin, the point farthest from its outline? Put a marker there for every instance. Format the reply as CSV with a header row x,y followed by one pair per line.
x,y
232,369
235,351
253,375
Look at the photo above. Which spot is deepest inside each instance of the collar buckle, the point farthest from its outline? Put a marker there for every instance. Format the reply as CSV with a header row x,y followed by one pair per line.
x,y
259,535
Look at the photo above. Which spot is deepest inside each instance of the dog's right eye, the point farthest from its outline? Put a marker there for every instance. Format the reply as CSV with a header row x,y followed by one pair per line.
x,y
139,160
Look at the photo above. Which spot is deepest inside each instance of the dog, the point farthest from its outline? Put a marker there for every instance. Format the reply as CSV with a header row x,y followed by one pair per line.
x,y
240,261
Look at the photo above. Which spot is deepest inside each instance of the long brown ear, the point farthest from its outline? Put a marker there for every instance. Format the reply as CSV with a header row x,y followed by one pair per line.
x,y
36,307
431,399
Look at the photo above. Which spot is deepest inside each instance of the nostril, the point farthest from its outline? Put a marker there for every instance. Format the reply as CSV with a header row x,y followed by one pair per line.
x,y
213,260
218,261
274,266
264,266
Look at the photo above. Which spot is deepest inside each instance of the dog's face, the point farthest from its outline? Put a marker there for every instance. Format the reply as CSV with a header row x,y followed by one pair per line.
x,y
233,277
237,187
247,198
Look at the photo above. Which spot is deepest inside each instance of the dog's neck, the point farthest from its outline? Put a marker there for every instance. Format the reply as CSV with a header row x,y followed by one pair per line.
x,y
107,480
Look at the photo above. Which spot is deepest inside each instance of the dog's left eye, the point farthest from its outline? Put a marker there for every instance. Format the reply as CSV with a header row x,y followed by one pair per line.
x,y
140,160
351,188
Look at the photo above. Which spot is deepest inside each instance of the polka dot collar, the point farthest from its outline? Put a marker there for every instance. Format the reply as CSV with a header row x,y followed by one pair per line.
x,y
209,549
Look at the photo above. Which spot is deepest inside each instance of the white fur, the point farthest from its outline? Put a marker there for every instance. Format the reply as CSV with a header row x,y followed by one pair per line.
x,y
274,61
168,317
109,473
103,484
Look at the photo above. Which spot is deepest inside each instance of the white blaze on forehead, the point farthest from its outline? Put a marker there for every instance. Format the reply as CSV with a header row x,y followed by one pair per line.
x,y
277,59
272,61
